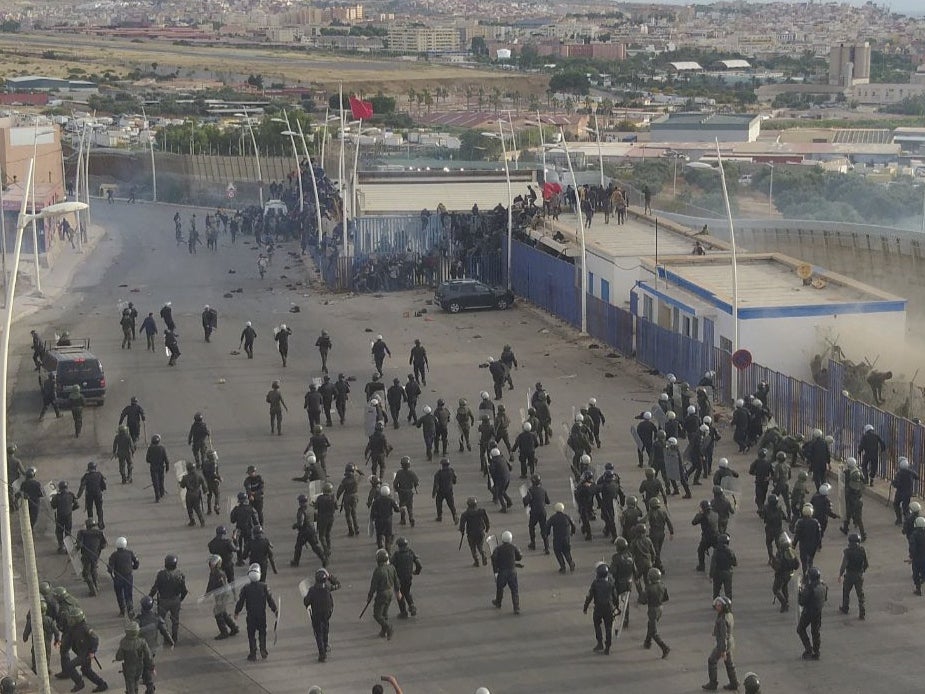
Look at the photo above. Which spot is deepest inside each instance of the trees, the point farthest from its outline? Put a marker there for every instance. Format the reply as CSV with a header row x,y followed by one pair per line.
x,y
570,82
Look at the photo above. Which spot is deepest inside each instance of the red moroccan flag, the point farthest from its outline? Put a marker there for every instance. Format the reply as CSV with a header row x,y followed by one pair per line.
x,y
361,110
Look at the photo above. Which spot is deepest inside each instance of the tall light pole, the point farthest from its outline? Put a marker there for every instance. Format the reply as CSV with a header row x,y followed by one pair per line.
x,y
35,217
311,167
250,128
510,199
6,543
580,232
600,154
771,190
3,237
151,146
732,240
295,153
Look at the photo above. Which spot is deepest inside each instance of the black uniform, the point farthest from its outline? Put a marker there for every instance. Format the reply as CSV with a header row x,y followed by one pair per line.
x,y
537,499
812,598
31,491
381,513
406,484
321,603
603,593
221,546
255,597
253,487
474,524
198,435
562,529
504,562
342,394
379,349
260,551
325,508
418,361
64,504
282,342
305,535
156,458
245,520
323,343
407,566
709,529
525,446
248,335
90,542
170,590
348,491
853,565
121,565
94,484
444,479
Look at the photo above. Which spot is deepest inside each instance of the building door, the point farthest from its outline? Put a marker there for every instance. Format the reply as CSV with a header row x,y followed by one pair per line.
x,y
605,291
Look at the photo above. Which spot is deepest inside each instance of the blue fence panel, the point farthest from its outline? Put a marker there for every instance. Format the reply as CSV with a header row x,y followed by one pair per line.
x,y
545,281
671,352
611,325
396,234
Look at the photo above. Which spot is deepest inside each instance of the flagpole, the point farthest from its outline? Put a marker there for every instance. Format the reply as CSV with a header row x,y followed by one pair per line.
x,y
341,173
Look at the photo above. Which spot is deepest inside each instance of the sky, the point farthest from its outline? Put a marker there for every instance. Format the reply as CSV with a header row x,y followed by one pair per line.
x,y
907,7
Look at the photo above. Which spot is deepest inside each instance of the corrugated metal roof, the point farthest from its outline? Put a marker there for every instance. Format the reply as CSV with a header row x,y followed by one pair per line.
x,y
686,65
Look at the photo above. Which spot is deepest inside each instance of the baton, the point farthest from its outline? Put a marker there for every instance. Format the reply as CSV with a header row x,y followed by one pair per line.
x,y
461,536
144,427
96,660
365,608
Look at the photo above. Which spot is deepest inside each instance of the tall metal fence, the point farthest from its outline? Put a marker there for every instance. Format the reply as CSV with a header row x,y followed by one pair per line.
x,y
797,406
399,233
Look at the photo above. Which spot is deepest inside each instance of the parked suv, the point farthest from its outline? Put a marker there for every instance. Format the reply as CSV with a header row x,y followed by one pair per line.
x,y
74,364
457,295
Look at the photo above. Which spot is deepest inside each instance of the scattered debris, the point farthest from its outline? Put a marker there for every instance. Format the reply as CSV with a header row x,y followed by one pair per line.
x,y
367,330
609,375
594,346
476,337
423,310
295,309
612,355
543,331
135,290
221,380
238,290
232,272
123,285
234,352
228,295
378,296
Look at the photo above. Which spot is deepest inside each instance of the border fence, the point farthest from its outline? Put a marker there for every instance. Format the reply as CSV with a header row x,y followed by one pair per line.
x,y
416,258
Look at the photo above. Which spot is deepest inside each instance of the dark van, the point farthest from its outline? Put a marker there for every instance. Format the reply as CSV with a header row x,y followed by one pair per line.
x,y
75,364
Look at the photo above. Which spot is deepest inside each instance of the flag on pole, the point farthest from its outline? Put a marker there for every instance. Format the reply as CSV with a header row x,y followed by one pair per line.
x,y
361,110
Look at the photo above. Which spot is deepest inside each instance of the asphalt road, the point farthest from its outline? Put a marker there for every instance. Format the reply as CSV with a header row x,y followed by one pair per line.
x,y
458,641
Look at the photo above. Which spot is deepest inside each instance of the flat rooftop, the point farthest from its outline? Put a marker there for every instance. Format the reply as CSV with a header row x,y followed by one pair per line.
x,y
633,239
769,286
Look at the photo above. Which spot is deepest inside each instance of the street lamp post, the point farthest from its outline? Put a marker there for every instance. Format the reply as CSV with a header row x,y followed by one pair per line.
x,y
311,167
151,146
771,190
600,154
581,237
732,241
510,199
289,132
250,129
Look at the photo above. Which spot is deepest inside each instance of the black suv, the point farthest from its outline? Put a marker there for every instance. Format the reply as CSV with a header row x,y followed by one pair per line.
x,y
457,295
74,364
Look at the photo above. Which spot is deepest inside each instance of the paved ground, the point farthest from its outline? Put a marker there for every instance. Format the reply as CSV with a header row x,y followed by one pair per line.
x,y
458,641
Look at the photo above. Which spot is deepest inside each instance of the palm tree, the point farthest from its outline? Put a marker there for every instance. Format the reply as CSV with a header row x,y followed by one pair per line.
x,y
496,98
427,99
469,94
534,103
481,95
411,95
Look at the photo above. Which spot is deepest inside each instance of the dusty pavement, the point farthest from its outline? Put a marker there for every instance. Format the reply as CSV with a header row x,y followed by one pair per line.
x,y
458,641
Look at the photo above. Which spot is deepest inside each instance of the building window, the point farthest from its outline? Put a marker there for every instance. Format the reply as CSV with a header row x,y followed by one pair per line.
x,y
648,308
725,344
686,325
591,283
605,291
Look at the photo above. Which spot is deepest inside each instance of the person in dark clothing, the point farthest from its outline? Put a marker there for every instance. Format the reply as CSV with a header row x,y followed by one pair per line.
x,y
282,342
85,643
255,597
812,598
64,503
170,590
198,436
50,395
173,346
149,328
209,321
853,565
807,537
870,449
90,542
418,361
903,482
504,562
31,491
510,362
407,566
379,351
319,601
323,343
525,446
708,521
536,499
603,593
157,460
223,548
444,481
654,595
167,317
412,393
94,484
217,586
248,335
561,527
474,525
121,565
395,396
